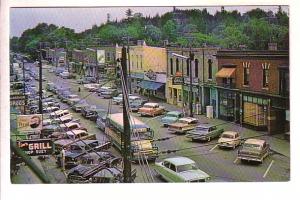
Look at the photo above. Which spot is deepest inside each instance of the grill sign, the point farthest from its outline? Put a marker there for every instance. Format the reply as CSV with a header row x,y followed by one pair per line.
x,y
36,147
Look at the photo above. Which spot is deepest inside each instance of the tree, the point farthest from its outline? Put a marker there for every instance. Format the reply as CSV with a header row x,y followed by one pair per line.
x,y
129,13
169,30
152,34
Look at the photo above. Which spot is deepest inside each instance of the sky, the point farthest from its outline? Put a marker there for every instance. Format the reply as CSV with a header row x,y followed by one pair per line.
x,y
81,19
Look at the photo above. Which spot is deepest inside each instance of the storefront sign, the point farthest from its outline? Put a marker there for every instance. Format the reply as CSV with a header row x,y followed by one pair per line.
x,y
177,80
36,147
100,56
151,75
17,100
187,80
29,122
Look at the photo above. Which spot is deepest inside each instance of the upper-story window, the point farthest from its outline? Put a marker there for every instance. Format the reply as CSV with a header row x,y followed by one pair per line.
x,y
177,65
141,59
171,66
196,67
246,72
209,69
284,82
266,74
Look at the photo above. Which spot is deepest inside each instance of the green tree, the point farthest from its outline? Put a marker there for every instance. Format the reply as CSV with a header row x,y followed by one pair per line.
x,y
169,30
129,13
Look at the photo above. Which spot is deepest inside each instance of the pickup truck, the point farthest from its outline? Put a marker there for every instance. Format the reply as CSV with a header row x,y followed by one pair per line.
x,y
254,150
204,132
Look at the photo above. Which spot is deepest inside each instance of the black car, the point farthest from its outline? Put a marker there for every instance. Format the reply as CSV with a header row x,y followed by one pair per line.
x,y
92,112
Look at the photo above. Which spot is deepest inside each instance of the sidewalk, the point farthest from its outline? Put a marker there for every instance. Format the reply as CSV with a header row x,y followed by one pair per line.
x,y
277,142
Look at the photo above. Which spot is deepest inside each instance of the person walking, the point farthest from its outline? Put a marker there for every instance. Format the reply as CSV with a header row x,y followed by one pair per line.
x,y
79,89
63,154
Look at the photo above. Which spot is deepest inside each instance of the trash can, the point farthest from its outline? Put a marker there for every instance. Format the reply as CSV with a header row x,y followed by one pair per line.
x,y
209,112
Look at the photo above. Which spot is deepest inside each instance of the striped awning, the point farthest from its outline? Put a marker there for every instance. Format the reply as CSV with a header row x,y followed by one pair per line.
x,y
226,73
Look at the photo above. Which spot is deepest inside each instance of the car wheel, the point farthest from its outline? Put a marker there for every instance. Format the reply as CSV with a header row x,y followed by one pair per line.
x,y
208,139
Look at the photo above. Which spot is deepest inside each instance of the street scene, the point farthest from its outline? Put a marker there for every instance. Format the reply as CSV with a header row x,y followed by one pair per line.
x,y
177,95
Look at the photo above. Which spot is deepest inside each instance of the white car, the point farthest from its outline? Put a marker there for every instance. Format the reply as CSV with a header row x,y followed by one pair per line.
x,y
229,139
180,169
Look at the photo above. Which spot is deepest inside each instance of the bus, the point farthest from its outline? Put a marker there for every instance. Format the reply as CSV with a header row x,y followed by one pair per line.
x,y
141,136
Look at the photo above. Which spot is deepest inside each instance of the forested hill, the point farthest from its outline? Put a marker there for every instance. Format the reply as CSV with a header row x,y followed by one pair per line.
x,y
252,30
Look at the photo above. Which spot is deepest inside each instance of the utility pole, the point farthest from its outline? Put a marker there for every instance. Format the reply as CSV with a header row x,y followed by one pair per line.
x,y
191,58
24,85
129,72
67,62
40,83
125,137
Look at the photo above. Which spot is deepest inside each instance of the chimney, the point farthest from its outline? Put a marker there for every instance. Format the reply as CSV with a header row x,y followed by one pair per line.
x,y
272,46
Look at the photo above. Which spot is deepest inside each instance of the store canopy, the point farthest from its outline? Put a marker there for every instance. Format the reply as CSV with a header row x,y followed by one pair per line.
x,y
226,73
150,85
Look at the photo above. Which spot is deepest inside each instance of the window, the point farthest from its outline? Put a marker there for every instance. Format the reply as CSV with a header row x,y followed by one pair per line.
x,y
141,59
196,67
177,65
246,73
137,61
284,82
187,67
209,69
172,167
171,66
265,78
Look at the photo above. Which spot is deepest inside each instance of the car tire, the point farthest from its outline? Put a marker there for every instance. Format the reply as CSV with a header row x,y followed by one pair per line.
x,y
208,139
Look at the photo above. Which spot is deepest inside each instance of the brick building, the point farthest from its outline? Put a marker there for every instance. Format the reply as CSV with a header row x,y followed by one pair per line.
x,y
253,88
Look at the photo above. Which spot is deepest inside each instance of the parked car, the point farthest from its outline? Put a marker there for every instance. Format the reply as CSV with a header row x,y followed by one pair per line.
x,y
254,150
60,120
92,112
183,125
71,126
229,139
59,113
50,104
101,122
86,80
180,169
109,93
118,99
50,109
91,87
50,86
72,98
78,106
65,75
65,96
135,105
171,117
204,132
151,109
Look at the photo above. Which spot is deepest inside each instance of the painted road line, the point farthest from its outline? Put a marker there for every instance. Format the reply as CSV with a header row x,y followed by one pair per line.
x,y
235,160
213,148
268,169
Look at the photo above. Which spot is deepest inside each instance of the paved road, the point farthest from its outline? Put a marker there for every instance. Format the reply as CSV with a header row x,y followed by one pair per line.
x,y
220,164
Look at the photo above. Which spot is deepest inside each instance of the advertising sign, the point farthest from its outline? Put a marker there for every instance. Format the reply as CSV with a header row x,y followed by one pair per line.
x,y
36,147
100,56
177,80
29,122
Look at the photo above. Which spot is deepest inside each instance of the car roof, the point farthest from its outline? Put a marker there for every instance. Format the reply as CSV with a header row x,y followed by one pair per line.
x,y
174,112
180,160
230,132
151,104
205,125
188,119
75,132
255,141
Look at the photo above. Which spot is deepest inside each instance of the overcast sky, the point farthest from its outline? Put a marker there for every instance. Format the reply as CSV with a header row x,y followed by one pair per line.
x,y
81,19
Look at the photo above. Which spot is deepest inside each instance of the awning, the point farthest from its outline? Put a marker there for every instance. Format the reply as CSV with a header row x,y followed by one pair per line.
x,y
226,73
150,85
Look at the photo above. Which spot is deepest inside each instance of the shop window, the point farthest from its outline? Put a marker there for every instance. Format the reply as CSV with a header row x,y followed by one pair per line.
x,y
196,67
171,66
209,69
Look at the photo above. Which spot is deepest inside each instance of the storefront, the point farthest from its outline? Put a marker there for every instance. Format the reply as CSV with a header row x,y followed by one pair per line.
x,y
255,111
228,105
135,79
152,89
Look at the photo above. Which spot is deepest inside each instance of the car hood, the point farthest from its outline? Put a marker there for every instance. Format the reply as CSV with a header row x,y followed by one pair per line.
x,y
191,175
178,125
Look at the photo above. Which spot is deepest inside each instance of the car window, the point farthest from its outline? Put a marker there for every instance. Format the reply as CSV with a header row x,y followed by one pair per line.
x,y
172,167
166,164
194,122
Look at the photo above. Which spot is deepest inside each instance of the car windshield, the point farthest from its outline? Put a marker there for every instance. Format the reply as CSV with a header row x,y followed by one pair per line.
x,y
182,168
252,146
171,115
228,136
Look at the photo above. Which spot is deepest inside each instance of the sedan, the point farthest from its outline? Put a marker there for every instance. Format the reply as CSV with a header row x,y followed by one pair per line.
x,y
180,169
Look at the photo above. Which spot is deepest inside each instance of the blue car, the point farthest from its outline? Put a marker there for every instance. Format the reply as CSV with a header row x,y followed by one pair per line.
x,y
171,117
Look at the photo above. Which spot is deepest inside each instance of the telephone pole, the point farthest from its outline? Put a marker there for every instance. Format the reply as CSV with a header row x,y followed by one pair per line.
x,y
125,137
40,83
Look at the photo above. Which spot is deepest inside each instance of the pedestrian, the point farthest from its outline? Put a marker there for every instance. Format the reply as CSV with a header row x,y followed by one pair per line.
x,y
79,89
63,154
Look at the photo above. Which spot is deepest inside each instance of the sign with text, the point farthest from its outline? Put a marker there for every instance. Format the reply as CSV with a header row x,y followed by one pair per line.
x,y
17,99
29,122
177,80
36,147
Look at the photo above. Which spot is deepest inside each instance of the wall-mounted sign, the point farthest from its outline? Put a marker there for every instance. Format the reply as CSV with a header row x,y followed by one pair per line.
x,y
187,80
177,80
17,100
29,122
151,75
36,147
